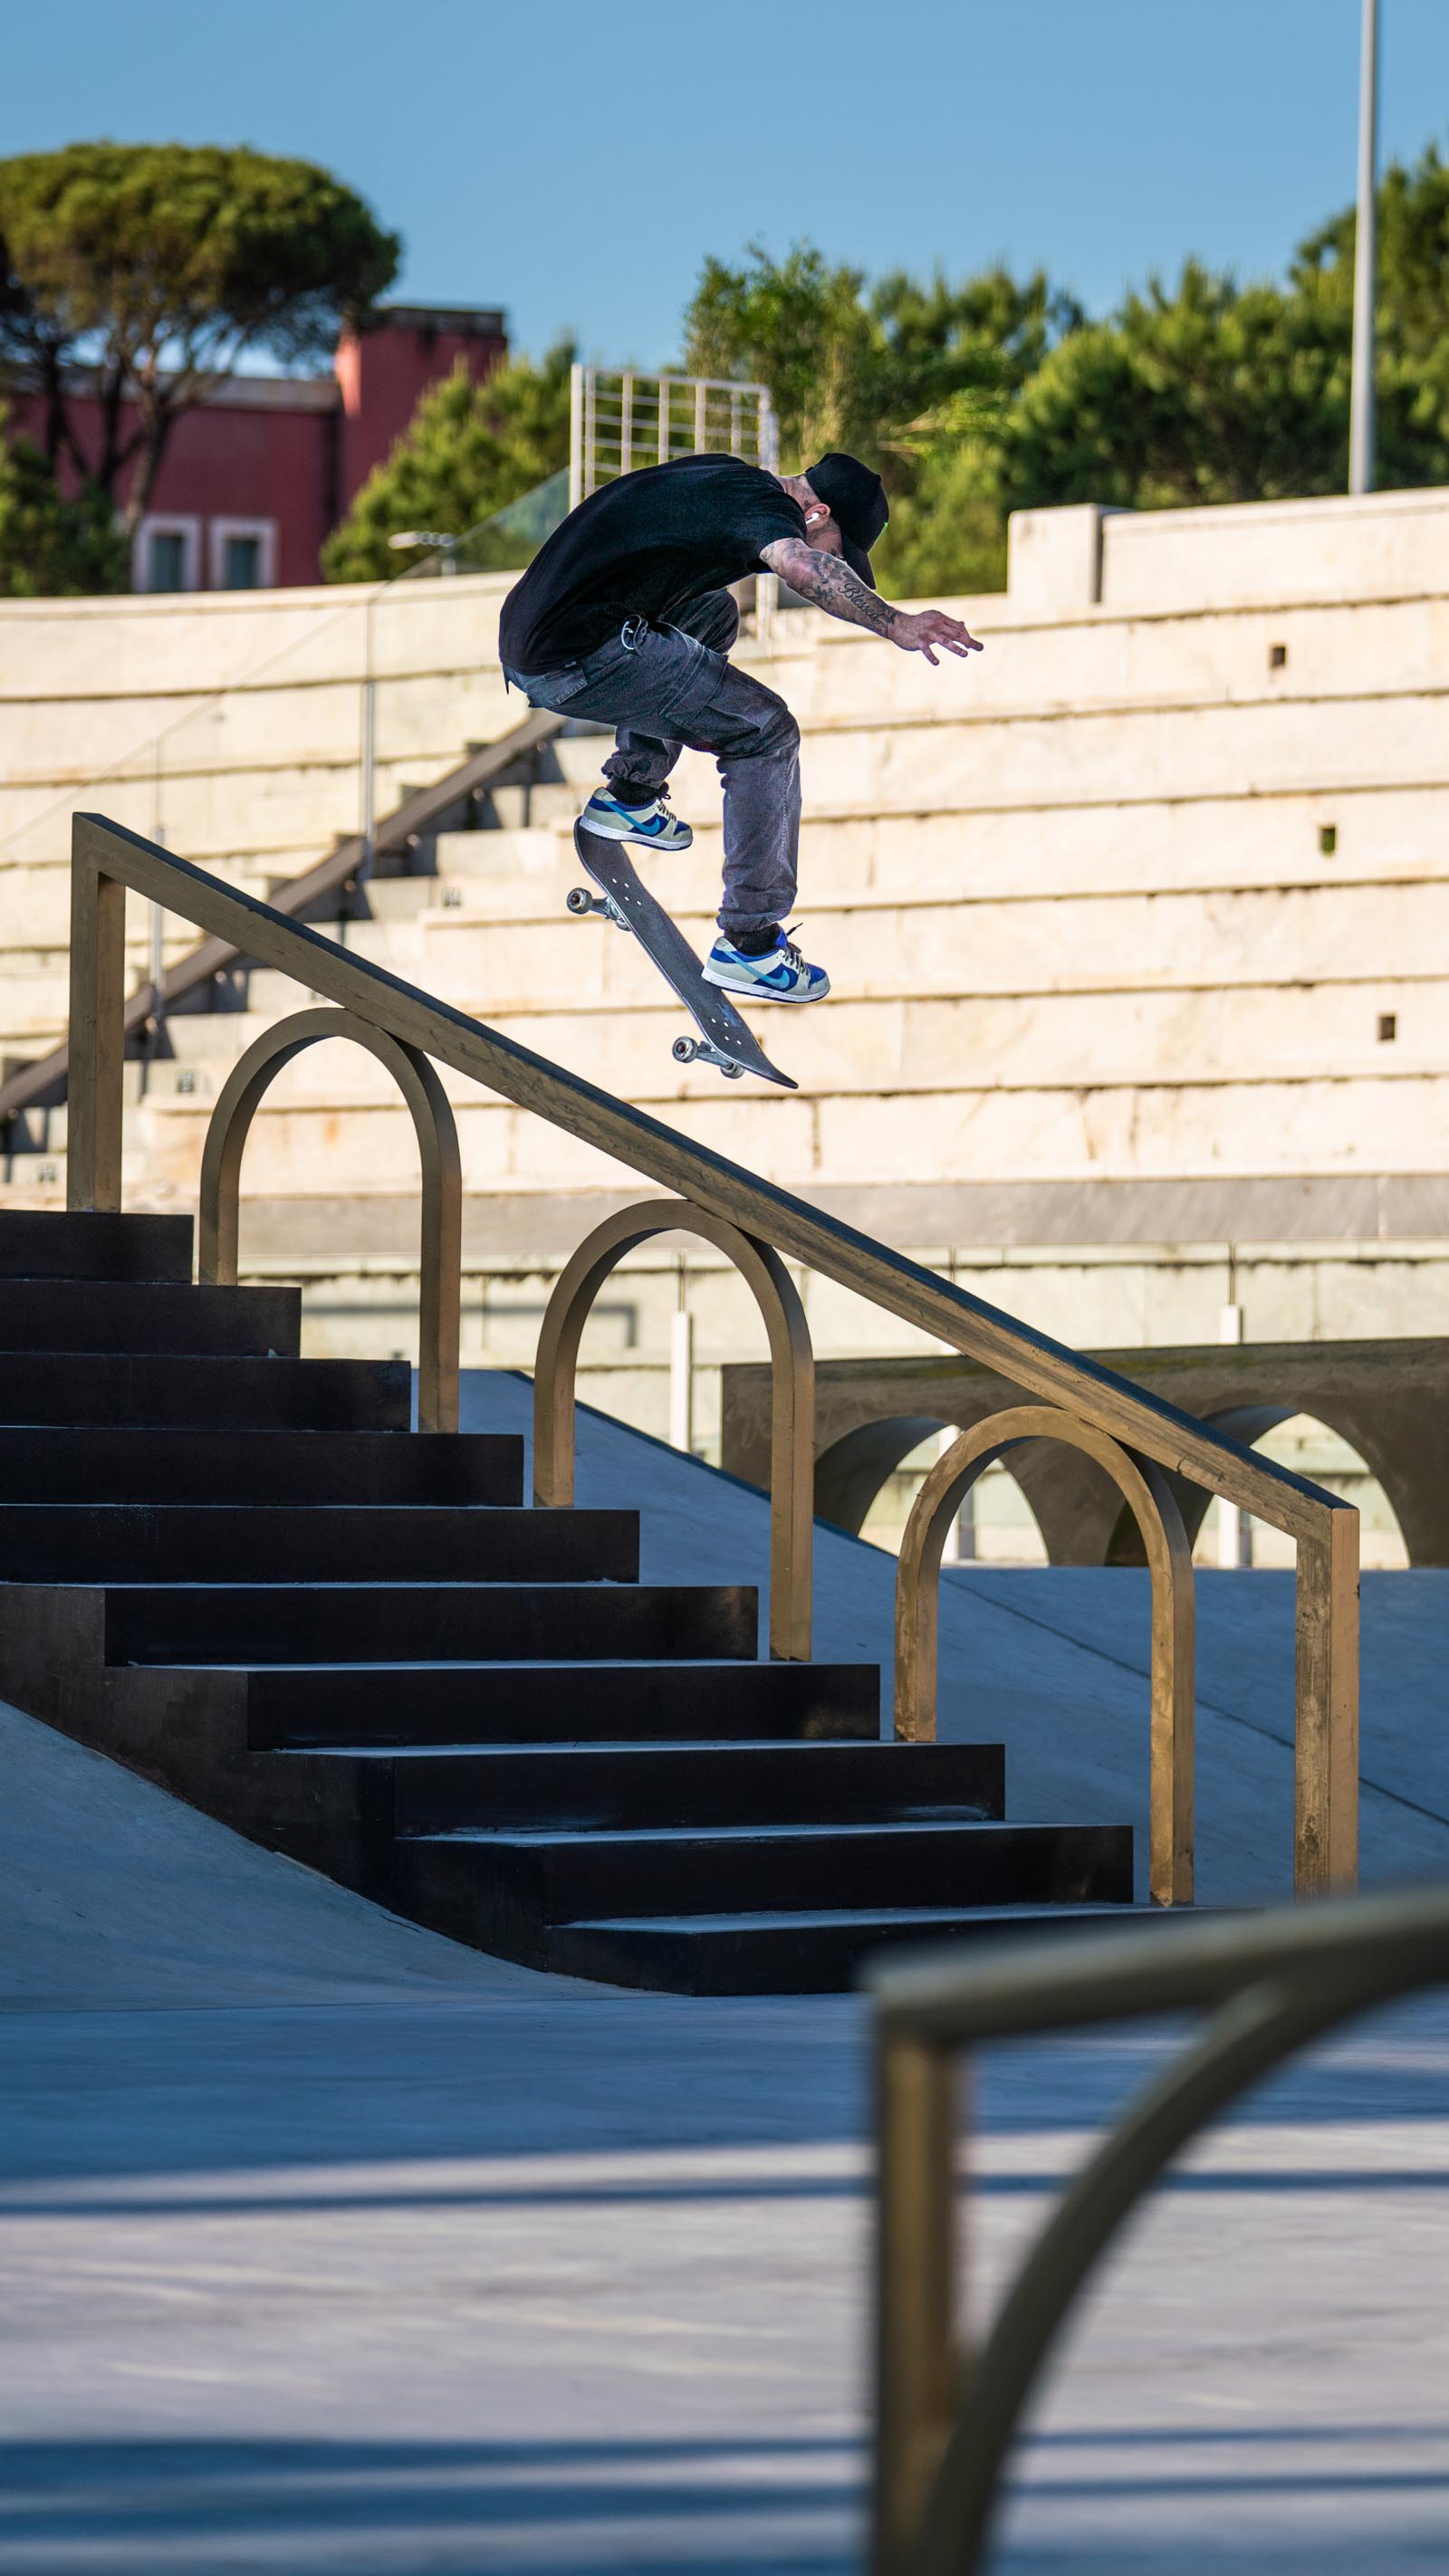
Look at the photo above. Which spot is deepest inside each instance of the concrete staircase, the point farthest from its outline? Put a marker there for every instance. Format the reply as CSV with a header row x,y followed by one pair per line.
x,y
239,1573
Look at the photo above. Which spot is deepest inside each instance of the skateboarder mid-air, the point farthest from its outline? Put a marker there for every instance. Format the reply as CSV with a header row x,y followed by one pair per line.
x,y
624,617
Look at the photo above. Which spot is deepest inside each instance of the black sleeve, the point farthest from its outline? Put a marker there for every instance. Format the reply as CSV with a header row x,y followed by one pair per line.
x,y
767,515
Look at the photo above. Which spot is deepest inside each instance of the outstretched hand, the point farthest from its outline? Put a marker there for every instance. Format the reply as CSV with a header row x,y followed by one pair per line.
x,y
932,627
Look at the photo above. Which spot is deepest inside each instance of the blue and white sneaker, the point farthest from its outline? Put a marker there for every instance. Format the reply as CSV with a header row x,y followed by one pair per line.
x,y
651,825
780,975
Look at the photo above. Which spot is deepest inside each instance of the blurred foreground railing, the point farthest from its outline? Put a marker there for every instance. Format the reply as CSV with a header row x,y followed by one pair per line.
x,y
947,2412
1134,1435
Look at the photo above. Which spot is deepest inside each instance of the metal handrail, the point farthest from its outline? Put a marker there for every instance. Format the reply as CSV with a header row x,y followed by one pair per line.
x,y
440,1251
946,2414
337,873
106,859
792,1369
1150,1499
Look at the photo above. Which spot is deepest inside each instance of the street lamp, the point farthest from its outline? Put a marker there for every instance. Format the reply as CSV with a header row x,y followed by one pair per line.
x,y
1361,400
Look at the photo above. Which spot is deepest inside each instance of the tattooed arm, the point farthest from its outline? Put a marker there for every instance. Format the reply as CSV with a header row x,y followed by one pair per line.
x,y
830,584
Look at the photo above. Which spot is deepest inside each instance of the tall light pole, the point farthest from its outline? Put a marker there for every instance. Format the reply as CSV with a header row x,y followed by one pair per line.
x,y
1361,416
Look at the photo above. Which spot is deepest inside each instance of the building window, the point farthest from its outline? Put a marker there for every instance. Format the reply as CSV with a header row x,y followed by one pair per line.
x,y
167,555
243,554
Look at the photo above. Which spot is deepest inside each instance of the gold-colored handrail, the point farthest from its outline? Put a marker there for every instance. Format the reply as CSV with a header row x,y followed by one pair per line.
x,y
1153,1505
947,2412
440,1251
106,859
792,1383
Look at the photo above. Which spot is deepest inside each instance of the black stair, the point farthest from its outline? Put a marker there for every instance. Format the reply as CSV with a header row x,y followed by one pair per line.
x,y
239,1572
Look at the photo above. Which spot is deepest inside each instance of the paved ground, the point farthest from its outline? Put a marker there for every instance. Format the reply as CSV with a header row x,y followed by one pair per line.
x,y
326,2246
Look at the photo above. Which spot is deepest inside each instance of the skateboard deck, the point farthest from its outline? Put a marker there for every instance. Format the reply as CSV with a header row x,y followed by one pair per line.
x,y
724,1041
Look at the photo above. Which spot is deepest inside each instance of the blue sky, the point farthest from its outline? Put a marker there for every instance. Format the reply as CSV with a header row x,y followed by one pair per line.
x,y
576,164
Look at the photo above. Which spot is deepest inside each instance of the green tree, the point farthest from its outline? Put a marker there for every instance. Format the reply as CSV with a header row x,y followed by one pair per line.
x,y
1412,258
914,378
1213,392
468,452
800,327
154,268
53,545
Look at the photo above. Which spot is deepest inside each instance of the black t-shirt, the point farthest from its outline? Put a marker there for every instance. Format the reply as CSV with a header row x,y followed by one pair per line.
x,y
641,547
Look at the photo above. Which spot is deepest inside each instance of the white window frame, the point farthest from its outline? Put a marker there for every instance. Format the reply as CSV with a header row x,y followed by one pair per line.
x,y
264,530
167,523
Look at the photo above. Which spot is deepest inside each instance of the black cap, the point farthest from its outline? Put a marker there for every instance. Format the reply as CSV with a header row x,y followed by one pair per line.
x,y
857,503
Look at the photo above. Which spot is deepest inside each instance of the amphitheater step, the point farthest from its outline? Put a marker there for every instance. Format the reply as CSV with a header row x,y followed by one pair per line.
x,y
385,1622
95,1390
138,1463
806,1953
567,1703
309,1543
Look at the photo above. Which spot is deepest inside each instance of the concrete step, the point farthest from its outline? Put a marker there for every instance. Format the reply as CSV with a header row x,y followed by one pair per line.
x,y
303,1544
389,1622
1086,753
105,1315
1168,943
213,1394
1217,841
808,1953
1031,1042
506,1890
95,1245
1162,1127
638,1786
568,1703
141,1464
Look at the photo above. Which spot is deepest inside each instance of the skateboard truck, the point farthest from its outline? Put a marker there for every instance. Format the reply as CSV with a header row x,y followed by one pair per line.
x,y
581,902
704,1051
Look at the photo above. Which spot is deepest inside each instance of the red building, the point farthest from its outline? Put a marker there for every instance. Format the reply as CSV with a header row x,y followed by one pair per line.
x,y
256,478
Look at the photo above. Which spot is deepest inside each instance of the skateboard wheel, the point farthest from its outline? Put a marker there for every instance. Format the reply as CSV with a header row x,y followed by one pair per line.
x,y
580,900
733,1072
684,1050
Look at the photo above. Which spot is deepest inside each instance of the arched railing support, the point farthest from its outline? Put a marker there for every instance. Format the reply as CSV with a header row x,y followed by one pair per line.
x,y
792,1403
441,1258
1149,1497
948,2415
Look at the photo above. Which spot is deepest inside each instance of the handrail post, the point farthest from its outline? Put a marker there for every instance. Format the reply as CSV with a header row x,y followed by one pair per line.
x,y
97,1031
1325,1751
915,2272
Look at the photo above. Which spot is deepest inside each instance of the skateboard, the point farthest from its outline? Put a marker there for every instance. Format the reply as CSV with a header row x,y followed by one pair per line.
x,y
723,1040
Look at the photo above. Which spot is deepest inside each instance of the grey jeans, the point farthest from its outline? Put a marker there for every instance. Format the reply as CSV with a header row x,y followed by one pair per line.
x,y
665,686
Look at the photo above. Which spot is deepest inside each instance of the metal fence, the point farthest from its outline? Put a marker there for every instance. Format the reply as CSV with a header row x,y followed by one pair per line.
x,y
622,420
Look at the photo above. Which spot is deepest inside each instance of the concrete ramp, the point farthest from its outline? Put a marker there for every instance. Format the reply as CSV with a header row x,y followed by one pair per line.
x,y
1053,1663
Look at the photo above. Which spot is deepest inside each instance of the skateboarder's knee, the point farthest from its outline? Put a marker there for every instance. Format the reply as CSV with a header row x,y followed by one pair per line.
x,y
780,734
